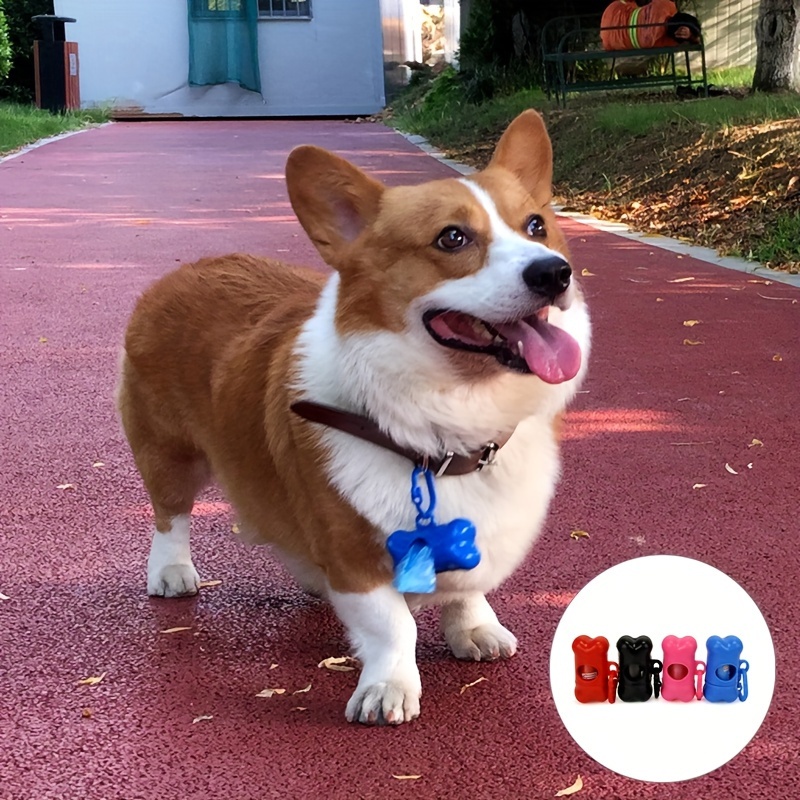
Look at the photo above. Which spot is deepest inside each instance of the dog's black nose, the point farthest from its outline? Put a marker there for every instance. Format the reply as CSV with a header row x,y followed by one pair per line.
x,y
547,276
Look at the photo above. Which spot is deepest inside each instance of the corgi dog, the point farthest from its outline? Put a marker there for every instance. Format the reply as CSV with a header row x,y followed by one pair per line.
x,y
450,335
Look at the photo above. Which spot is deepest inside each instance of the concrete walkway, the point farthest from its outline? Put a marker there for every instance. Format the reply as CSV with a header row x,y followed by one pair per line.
x,y
85,224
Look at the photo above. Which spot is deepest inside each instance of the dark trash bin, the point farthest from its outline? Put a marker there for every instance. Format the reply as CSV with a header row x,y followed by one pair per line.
x,y
56,65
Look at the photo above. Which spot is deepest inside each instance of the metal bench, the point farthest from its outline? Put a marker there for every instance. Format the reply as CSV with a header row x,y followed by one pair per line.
x,y
573,60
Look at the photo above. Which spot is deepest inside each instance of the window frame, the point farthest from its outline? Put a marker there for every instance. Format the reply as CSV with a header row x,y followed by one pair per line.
x,y
269,15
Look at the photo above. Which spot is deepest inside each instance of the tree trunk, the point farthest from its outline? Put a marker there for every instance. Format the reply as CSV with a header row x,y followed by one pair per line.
x,y
777,46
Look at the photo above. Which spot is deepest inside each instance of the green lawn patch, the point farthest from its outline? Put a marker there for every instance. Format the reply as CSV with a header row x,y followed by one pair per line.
x,y
21,125
782,244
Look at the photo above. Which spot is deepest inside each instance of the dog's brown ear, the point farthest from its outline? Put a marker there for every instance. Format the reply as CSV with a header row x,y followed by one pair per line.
x,y
525,150
333,199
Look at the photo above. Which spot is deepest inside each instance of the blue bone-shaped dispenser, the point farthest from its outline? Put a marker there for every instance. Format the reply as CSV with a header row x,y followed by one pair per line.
x,y
430,548
726,671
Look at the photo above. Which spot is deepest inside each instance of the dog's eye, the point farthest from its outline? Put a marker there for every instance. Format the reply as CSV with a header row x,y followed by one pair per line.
x,y
452,238
535,226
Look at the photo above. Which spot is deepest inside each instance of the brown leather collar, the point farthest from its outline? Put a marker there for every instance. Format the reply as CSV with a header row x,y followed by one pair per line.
x,y
364,428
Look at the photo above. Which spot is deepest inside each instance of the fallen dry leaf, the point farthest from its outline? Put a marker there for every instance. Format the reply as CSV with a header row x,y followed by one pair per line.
x,y
700,486
777,357
691,342
86,713
576,787
731,469
270,692
65,486
791,300
756,443
586,274
235,528
690,323
202,718
579,535
337,664
92,680
302,691
406,777
469,685
680,280
209,584
42,340
177,630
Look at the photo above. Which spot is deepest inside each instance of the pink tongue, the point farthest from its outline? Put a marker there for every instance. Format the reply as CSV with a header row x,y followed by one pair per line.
x,y
550,352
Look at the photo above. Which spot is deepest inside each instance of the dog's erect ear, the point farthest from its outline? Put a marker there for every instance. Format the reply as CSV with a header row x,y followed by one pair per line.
x,y
333,200
525,150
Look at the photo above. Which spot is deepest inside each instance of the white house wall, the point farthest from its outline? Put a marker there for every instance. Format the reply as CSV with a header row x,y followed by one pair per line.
x,y
136,54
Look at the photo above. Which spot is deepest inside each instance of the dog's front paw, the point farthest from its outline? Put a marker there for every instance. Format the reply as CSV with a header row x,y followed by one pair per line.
x,y
173,580
385,703
484,643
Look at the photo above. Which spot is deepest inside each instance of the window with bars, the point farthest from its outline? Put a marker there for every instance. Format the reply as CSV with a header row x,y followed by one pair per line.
x,y
284,9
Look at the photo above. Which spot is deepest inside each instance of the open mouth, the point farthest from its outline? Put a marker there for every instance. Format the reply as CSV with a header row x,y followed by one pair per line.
x,y
530,345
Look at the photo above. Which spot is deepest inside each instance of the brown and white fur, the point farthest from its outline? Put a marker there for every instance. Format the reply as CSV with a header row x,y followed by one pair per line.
x,y
217,351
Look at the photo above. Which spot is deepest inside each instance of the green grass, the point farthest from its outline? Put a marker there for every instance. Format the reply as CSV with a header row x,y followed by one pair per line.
x,y
732,77
782,244
441,113
21,125
719,113
458,121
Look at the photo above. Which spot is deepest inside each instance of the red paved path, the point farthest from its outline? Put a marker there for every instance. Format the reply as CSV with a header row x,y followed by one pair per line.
x,y
85,225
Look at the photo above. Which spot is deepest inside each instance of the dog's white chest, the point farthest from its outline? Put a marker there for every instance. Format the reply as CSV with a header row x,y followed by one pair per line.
x,y
506,502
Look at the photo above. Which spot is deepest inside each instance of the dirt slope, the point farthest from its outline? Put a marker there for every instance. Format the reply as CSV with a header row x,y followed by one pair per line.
x,y
721,189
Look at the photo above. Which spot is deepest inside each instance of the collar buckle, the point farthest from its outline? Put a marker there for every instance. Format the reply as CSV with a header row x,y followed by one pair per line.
x,y
445,463
488,456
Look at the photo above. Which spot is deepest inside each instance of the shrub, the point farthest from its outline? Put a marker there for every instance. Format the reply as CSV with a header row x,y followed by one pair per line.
x,y
5,46
20,83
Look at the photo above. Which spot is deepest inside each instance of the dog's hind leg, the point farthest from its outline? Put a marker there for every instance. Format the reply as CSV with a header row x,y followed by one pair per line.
x,y
471,629
173,472
170,570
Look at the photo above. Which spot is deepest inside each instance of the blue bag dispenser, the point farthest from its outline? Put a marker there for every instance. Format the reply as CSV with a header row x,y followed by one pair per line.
x,y
726,671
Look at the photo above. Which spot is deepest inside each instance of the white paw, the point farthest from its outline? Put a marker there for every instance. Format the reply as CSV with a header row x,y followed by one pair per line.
x,y
386,703
484,643
173,580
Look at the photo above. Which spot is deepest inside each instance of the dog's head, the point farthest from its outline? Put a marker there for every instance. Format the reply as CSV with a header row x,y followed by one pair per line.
x,y
473,274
